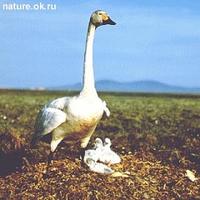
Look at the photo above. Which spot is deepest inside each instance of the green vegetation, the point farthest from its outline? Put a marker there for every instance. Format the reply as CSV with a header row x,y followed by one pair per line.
x,y
130,113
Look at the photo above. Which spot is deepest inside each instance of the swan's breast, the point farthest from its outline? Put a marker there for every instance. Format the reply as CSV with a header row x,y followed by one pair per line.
x,y
83,116
86,110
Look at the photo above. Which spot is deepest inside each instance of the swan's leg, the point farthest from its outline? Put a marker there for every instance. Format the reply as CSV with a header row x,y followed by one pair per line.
x,y
86,139
54,144
82,153
50,157
84,143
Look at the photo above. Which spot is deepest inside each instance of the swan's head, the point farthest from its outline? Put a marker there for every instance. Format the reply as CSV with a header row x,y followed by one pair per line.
x,y
107,142
98,143
99,18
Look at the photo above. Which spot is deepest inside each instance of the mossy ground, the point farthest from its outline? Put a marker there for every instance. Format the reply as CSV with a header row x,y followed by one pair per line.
x,y
157,136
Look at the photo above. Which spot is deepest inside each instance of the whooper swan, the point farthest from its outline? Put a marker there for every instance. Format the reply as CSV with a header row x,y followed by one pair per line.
x,y
75,117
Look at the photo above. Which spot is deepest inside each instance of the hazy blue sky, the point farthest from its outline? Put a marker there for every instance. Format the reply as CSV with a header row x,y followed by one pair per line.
x,y
153,39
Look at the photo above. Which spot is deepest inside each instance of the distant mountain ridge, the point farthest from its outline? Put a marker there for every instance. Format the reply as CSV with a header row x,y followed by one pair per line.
x,y
134,86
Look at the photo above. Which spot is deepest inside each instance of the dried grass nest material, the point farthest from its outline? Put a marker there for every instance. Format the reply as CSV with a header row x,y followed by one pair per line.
x,y
148,179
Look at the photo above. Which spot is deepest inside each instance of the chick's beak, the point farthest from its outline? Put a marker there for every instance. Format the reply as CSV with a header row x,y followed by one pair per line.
x,y
109,21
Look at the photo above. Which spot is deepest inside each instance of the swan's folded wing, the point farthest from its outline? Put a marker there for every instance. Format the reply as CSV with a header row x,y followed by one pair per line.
x,y
48,119
60,103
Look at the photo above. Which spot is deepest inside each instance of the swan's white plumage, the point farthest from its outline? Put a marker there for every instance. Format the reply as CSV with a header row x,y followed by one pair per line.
x,y
98,144
99,167
76,117
100,155
60,103
70,116
90,154
94,153
49,119
108,155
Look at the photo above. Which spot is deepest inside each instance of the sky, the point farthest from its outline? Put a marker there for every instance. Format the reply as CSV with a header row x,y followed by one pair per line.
x,y
153,40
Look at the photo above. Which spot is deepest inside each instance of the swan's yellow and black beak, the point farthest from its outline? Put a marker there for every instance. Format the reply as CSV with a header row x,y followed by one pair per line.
x,y
107,20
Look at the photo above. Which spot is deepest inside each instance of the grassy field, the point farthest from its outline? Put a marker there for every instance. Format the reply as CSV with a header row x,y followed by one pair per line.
x,y
157,136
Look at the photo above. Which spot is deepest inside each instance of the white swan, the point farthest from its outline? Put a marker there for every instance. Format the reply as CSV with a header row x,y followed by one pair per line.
x,y
98,144
95,152
103,153
108,156
75,117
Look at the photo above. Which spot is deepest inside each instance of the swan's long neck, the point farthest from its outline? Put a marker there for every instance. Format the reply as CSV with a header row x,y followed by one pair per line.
x,y
88,73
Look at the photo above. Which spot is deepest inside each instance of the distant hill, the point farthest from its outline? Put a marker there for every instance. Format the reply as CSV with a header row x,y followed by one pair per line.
x,y
134,86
